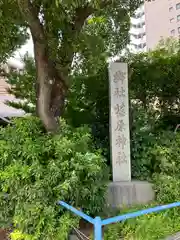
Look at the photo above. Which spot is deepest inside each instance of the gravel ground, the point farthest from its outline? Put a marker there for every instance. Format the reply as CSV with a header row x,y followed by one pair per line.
x,y
175,237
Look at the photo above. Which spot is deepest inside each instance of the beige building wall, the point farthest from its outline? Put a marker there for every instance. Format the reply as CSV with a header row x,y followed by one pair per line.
x,y
3,86
162,19
5,110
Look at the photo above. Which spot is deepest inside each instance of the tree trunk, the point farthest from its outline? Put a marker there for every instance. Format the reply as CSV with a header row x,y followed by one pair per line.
x,y
58,95
51,89
51,82
51,86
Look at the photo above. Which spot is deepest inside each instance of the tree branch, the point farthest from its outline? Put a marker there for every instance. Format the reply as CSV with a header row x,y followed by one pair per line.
x,y
30,14
105,3
70,35
177,127
81,14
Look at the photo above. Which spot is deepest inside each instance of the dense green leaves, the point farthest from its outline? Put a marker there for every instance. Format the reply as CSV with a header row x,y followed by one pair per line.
x,y
155,226
69,36
38,170
13,35
74,27
167,182
154,82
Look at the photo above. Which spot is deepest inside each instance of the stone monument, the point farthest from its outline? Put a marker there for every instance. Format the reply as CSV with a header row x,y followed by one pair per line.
x,y
119,122
122,190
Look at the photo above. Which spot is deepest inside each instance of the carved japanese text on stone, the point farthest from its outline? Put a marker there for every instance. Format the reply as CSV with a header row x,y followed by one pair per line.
x,y
120,142
119,92
120,126
119,110
121,158
119,76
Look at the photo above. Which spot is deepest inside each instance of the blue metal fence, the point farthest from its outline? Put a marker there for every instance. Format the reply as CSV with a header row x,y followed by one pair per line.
x,y
99,223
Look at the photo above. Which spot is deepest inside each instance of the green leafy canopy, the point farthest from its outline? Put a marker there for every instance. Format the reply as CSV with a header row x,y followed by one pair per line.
x,y
86,28
13,35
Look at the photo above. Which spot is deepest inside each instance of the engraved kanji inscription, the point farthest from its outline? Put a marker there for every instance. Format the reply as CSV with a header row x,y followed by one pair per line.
x,y
120,126
121,141
121,158
119,92
120,110
119,76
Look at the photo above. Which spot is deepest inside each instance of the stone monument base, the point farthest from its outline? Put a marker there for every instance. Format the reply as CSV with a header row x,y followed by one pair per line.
x,y
73,237
129,193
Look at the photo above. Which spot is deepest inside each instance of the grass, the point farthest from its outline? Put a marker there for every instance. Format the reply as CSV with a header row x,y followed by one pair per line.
x,y
148,227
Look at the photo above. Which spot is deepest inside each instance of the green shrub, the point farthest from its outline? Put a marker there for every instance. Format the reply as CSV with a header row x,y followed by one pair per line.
x,y
143,143
154,226
167,188
160,155
153,150
167,183
168,154
37,170
88,103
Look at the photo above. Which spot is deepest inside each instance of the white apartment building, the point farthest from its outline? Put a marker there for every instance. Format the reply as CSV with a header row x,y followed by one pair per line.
x,y
5,110
153,21
138,31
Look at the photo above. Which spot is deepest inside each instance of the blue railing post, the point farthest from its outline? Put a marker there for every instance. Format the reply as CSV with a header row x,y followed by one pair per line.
x,y
98,223
97,228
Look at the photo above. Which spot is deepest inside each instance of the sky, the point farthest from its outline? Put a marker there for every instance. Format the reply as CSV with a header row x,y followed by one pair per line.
x,y
27,47
16,59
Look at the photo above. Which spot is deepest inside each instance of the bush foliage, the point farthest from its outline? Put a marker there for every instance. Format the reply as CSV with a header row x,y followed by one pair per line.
x,y
154,226
154,89
37,170
167,182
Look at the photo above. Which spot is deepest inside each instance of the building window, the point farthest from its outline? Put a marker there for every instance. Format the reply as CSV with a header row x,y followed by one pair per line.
x,y
178,29
170,9
140,46
135,46
141,35
140,25
173,32
171,20
178,18
138,15
178,6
